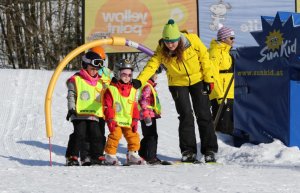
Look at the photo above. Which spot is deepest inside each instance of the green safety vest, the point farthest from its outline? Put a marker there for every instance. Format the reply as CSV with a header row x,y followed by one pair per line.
x,y
88,100
123,106
156,106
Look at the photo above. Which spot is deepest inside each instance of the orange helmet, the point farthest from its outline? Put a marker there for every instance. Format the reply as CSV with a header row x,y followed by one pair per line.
x,y
100,51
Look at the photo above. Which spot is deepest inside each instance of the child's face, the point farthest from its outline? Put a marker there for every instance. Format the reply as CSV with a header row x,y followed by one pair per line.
x,y
125,75
92,71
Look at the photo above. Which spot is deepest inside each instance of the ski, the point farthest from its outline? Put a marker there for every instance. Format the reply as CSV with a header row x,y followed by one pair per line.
x,y
165,163
177,162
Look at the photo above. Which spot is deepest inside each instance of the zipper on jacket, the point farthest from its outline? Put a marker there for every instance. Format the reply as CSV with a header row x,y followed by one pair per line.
x,y
178,66
187,73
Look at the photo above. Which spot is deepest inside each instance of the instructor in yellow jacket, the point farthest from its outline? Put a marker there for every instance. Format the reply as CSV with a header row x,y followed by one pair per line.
x,y
189,73
222,64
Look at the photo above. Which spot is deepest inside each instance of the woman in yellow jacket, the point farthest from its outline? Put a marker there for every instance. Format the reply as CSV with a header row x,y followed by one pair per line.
x,y
222,64
189,73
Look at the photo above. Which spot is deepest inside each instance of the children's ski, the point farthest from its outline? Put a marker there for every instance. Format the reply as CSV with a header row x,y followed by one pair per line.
x,y
163,162
166,163
177,162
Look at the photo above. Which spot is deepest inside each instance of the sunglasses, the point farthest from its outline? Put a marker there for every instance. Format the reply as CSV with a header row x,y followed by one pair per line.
x,y
126,75
232,38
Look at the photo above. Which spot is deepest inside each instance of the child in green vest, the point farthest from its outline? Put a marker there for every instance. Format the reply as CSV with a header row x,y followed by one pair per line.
x,y
122,116
150,110
85,89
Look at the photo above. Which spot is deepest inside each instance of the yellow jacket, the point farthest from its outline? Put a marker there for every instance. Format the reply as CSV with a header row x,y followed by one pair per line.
x,y
195,66
219,54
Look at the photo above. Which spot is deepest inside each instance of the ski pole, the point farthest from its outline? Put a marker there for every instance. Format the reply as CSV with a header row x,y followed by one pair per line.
x,y
222,103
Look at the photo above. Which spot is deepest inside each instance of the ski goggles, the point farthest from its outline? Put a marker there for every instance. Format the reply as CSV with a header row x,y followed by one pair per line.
x,y
94,62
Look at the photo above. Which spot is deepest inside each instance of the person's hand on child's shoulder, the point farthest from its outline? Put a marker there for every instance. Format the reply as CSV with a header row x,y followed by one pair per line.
x,y
136,83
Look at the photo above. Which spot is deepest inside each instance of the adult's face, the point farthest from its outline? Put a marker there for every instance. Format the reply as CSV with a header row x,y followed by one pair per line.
x,y
229,40
171,45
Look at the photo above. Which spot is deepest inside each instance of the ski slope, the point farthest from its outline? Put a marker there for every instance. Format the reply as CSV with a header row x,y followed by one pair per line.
x,y
24,153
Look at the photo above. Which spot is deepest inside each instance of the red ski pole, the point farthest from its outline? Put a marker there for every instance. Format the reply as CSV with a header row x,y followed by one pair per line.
x,y
50,150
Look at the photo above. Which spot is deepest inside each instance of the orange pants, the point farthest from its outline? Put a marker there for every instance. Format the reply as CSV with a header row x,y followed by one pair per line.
x,y
133,140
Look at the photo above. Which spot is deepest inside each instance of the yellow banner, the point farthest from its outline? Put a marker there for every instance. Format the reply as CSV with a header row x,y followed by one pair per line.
x,y
298,6
141,21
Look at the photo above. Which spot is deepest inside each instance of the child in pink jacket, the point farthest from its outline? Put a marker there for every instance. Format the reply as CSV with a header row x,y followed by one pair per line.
x,y
150,110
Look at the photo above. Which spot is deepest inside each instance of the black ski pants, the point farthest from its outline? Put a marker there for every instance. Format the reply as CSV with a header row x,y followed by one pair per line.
x,y
148,148
88,138
225,122
201,105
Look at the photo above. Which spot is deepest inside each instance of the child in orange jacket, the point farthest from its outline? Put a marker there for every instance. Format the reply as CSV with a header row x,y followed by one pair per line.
x,y
122,116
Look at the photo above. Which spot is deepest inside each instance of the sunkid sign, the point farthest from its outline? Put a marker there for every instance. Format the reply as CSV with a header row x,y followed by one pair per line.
x,y
278,37
287,48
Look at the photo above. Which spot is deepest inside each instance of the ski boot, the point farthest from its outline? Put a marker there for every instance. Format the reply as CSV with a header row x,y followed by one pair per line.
x,y
209,157
133,158
72,161
111,160
188,156
86,161
99,161
154,161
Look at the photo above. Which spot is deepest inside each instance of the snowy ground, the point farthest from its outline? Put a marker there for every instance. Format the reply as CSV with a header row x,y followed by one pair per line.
x,y
24,153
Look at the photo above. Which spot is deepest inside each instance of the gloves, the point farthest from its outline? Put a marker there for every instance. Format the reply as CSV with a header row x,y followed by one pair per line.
x,y
111,124
114,80
207,87
134,125
70,113
136,83
148,121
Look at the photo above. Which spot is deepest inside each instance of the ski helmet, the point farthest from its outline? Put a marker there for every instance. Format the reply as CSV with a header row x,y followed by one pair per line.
x,y
100,51
125,64
93,59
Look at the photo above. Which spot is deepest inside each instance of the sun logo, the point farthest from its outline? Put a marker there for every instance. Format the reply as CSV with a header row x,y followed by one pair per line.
x,y
274,40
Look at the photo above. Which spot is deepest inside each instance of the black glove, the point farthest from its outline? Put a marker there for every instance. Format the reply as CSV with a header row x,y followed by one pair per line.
x,y
136,83
114,80
207,88
70,113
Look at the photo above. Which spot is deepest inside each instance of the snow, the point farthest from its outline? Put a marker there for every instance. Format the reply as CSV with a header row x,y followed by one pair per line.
x,y
24,153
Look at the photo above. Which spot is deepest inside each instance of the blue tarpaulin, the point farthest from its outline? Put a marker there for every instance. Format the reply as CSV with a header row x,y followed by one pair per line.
x,y
267,88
